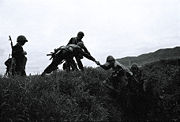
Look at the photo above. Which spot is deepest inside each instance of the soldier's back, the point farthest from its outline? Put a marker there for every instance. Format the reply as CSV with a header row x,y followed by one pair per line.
x,y
17,51
74,40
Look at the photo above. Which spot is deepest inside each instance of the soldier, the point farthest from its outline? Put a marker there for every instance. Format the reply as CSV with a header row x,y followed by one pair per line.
x,y
137,74
140,101
119,85
75,41
67,53
136,71
19,55
9,67
119,77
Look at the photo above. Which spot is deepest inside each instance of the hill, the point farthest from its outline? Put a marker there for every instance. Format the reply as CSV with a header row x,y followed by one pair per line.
x,y
80,96
168,53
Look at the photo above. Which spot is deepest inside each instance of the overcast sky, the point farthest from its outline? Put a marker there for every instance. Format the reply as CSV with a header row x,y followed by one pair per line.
x,y
112,27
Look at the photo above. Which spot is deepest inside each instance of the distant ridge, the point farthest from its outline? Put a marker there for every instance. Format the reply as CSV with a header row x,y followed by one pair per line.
x,y
167,53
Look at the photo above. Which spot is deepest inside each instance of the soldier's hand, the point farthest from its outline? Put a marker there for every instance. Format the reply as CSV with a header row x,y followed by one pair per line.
x,y
55,50
25,53
97,62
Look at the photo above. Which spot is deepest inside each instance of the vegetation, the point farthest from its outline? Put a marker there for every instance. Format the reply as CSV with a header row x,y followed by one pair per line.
x,y
81,96
162,82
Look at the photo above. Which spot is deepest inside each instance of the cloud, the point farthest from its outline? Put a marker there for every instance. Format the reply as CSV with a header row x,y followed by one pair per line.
x,y
1,52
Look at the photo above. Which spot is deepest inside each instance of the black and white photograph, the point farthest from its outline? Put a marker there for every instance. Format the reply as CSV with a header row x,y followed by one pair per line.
x,y
89,60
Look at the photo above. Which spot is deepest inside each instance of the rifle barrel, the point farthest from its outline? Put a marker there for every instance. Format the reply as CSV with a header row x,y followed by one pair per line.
x,y
11,41
10,38
48,54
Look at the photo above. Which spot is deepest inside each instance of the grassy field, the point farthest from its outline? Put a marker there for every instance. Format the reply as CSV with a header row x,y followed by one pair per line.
x,y
81,96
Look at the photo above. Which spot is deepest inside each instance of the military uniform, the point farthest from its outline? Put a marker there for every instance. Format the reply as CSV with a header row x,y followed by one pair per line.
x,y
76,40
67,53
119,75
18,54
123,92
137,74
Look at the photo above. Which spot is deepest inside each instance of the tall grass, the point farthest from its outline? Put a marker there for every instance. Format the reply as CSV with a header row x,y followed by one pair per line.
x,y
75,96
80,96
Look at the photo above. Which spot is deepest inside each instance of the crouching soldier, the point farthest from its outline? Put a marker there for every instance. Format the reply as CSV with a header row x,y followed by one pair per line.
x,y
67,53
119,84
18,54
120,74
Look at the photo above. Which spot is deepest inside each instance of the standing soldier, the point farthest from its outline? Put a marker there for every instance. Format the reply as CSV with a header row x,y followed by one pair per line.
x,y
75,41
19,55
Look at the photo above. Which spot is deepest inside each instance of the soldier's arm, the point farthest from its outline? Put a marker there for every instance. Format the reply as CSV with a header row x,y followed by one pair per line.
x,y
70,41
88,56
106,66
17,51
86,50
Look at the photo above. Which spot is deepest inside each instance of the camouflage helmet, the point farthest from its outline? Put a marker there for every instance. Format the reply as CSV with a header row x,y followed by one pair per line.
x,y
80,44
80,33
21,38
110,59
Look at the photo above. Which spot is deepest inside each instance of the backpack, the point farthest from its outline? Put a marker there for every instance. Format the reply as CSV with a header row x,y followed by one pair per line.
x,y
10,66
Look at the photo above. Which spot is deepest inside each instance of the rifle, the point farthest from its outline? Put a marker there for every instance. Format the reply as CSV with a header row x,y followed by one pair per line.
x,y
11,42
12,67
56,51
51,54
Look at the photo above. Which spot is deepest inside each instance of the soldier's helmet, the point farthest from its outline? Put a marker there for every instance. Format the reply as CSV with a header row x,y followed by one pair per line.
x,y
80,33
134,67
110,59
21,38
80,44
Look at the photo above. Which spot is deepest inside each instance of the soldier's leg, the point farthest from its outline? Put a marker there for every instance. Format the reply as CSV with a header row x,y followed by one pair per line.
x,y
73,65
24,62
23,72
18,67
80,65
66,66
52,66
